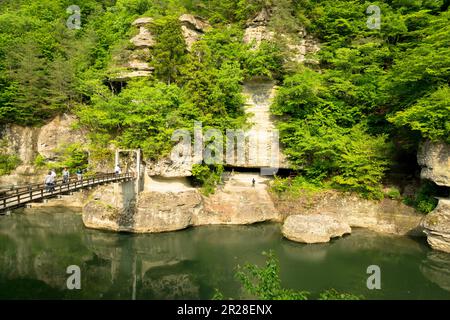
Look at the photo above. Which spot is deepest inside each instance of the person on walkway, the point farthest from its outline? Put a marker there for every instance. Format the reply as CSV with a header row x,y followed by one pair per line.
x,y
117,170
53,173
49,182
65,175
253,182
79,174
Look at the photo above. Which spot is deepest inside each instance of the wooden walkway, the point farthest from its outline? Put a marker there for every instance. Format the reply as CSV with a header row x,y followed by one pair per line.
x,y
16,197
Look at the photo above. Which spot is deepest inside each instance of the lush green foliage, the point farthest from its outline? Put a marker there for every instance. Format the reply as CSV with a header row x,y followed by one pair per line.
x,y
8,163
207,177
424,200
335,123
371,88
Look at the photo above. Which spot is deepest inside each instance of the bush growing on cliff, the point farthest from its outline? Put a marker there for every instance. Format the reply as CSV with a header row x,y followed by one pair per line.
x,y
424,200
207,177
8,163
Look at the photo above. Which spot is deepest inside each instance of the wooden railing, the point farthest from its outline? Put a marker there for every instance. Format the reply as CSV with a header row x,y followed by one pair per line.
x,y
12,198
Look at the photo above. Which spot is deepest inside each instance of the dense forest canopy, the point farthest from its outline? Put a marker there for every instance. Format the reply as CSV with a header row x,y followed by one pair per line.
x,y
374,94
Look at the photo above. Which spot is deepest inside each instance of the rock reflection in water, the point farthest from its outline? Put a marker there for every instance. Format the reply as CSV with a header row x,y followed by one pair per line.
x,y
36,248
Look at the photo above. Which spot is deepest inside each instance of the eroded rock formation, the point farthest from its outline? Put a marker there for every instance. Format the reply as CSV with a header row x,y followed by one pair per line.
x,y
316,228
136,61
170,204
434,158
257,29
299,44
437,226
386,216
29,142
238,202
192,28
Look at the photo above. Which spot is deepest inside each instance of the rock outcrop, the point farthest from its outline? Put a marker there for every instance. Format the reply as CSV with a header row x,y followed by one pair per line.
x,y
192,28
136,61
299,44
28,142
111,207
434,158
386,216
437,226
144,39
169,204
314,228
58,134
257,29
238,202
168,168
166,211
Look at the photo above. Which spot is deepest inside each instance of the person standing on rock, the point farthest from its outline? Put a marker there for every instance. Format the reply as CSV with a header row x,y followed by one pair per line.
x,y
253,182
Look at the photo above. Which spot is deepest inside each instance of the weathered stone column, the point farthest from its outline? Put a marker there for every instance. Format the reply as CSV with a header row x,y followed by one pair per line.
x,y
435,161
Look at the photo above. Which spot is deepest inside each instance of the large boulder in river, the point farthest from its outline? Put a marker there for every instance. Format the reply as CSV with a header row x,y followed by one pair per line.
x,y
314,228
437,226
434,157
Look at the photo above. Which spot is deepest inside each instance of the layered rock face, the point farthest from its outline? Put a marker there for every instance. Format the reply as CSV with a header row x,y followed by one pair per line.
x,y
434,159
192,28
166,211
437,226
137,60
257,30
111,207
386,216
28,142
239,202
299,44
261,147
169,204
314,228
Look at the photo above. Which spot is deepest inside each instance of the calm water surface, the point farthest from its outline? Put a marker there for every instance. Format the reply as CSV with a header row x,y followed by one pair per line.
x,y
37,246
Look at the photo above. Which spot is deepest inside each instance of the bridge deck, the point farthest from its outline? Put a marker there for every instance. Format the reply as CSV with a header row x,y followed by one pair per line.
x,y
19,196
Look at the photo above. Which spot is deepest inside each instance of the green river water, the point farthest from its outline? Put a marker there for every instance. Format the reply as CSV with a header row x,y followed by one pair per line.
x,y
37,246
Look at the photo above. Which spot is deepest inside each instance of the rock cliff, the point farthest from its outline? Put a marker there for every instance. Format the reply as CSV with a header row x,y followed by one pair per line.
x,y
299,44
434,159
29,142
386,216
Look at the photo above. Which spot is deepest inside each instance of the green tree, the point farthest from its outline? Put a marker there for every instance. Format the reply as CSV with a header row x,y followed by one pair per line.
x,y
169,51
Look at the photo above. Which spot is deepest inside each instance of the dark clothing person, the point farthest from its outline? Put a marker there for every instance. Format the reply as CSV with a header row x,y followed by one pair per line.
x,y
253,182
79,174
